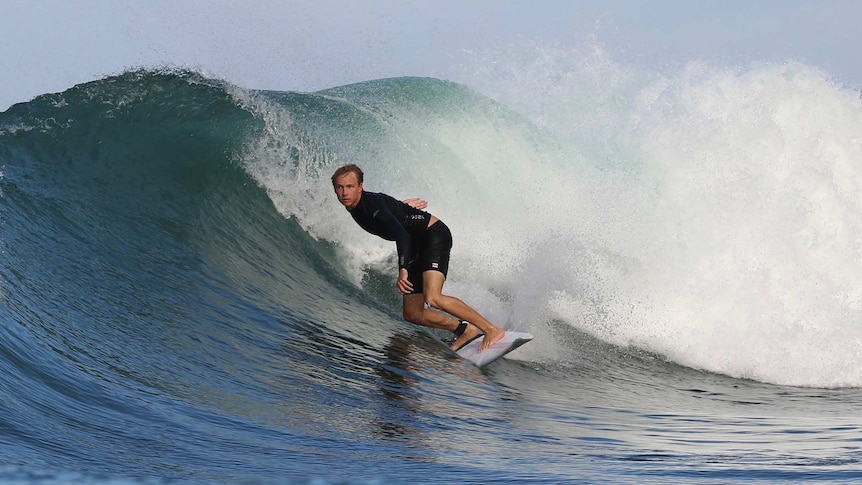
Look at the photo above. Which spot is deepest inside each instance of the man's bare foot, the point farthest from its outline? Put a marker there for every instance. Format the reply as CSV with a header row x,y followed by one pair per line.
x,y
470,334
492,337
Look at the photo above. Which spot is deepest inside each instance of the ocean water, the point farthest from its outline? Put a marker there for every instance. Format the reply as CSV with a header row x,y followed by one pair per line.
x,y
183,300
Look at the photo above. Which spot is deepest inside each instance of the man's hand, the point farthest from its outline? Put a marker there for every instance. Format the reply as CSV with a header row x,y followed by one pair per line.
x,y
416,203
403,284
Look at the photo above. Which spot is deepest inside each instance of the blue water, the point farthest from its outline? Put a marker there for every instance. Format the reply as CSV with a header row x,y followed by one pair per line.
x,y
183,299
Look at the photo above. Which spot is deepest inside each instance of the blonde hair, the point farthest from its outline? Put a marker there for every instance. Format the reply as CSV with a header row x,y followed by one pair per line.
x,y
349,168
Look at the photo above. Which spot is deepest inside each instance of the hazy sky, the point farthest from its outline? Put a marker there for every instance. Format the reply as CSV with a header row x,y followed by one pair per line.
x,y
51,45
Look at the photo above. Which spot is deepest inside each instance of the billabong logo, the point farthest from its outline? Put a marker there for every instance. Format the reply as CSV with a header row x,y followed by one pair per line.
x,y
435,265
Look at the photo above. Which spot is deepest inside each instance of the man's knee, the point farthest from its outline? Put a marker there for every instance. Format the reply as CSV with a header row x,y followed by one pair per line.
x,y
413,308
434,301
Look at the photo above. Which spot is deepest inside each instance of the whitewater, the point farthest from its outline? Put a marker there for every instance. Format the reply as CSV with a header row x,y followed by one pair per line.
x,y
183,299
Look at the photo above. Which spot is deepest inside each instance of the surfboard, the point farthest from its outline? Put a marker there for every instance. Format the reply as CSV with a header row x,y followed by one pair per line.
x,y
510,342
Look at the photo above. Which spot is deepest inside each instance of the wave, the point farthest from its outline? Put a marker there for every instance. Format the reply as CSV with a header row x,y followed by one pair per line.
x,y
137,251
717,232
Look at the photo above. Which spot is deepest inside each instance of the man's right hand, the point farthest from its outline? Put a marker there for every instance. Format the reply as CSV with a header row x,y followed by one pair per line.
x,y
403,284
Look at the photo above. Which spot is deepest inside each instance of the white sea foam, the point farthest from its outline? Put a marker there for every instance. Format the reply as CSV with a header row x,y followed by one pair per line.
x,y
724,231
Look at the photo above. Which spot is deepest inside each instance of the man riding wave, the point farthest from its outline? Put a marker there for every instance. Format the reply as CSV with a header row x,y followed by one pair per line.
x,y
423,242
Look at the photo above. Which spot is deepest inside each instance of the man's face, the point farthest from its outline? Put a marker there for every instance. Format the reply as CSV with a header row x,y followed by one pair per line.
x,y
348,189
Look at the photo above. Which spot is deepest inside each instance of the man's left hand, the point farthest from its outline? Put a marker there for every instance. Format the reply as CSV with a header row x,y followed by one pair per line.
x,y
416,203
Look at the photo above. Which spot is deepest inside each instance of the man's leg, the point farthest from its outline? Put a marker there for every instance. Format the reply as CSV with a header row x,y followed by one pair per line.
x,y
432,281
415,312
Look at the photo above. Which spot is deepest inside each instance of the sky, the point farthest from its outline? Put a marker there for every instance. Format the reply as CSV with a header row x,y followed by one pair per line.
x,y
51,45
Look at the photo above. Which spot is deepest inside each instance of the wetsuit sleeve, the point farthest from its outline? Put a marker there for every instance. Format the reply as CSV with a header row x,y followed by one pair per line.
x,y
402,238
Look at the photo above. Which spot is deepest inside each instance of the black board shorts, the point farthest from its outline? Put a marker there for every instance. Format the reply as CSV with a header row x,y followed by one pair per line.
x,y
433,254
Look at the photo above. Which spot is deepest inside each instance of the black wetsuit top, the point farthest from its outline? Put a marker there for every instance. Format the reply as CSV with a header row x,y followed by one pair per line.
x,y
393,220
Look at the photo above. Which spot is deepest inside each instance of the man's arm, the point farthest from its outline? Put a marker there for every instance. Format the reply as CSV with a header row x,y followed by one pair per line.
x,y
399,234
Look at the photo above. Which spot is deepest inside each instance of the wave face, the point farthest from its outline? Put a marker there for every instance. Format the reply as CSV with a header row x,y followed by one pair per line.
x,y
180,286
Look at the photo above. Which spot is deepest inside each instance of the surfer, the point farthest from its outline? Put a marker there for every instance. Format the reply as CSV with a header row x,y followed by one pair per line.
x,y
423,244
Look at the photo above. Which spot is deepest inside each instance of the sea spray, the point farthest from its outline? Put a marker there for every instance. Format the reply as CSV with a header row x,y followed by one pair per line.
x,y
726,234
756,233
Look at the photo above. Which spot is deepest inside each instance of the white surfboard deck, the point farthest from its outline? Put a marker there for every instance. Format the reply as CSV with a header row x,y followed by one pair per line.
x,y
510,342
